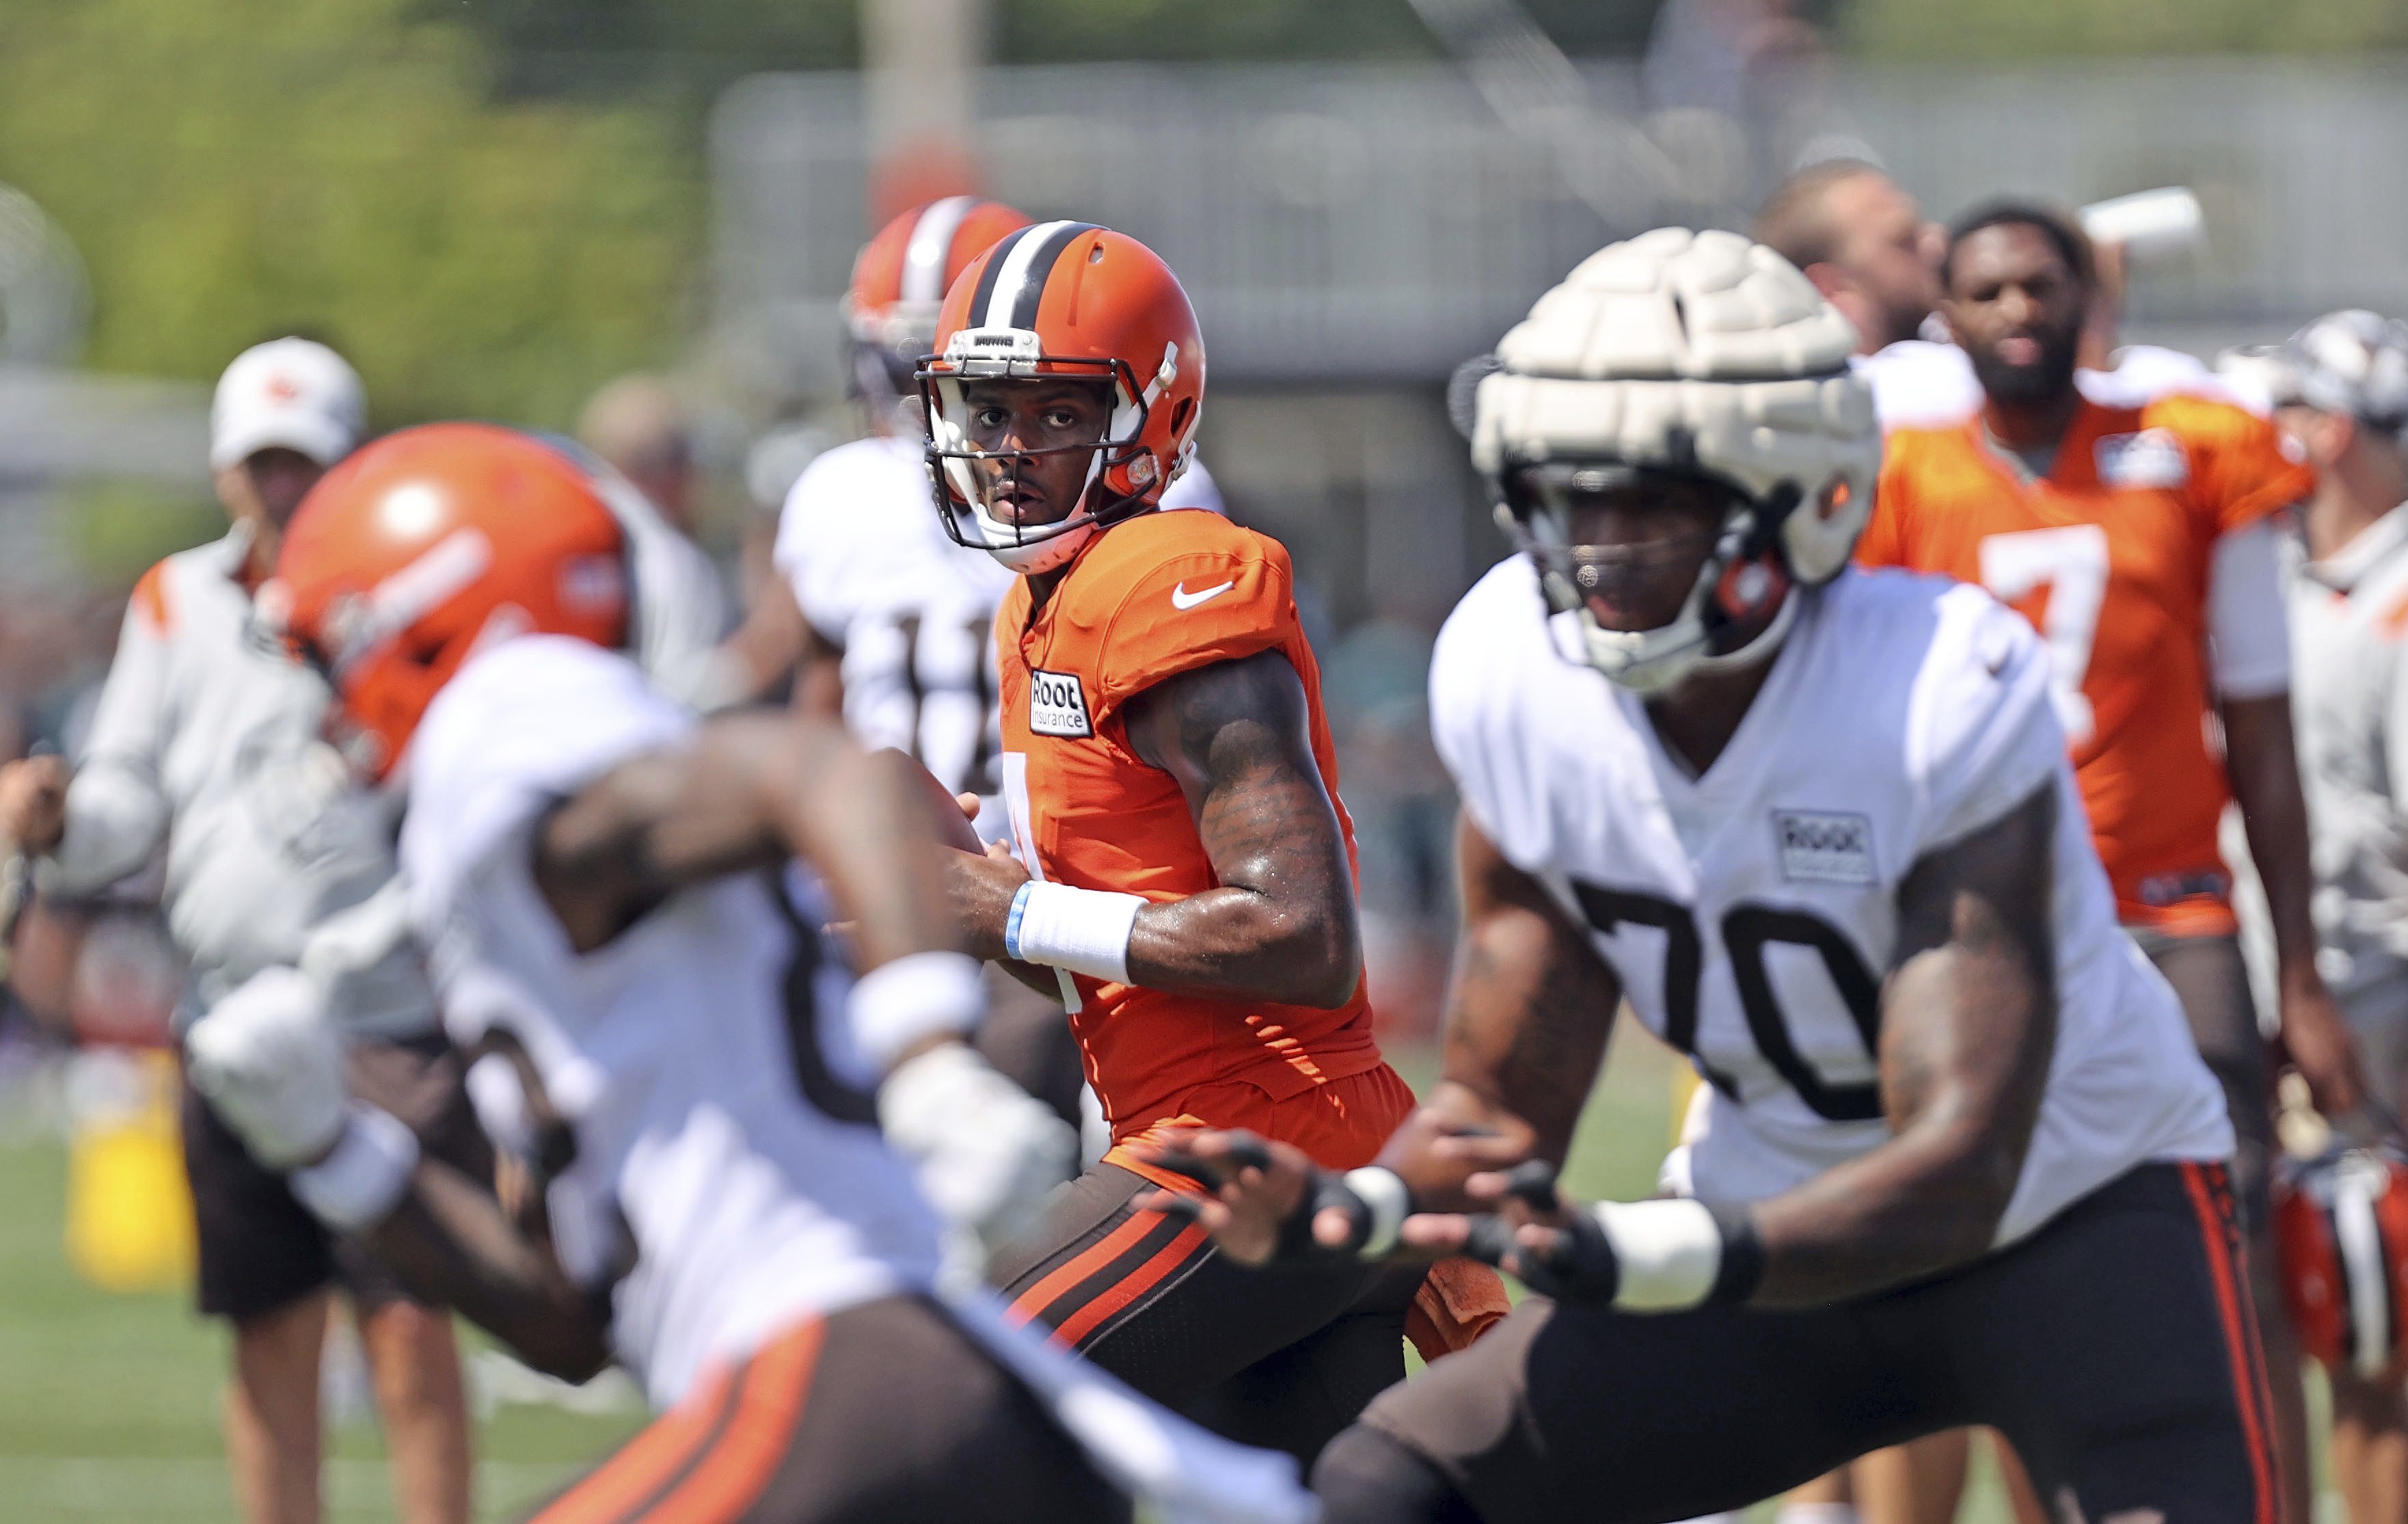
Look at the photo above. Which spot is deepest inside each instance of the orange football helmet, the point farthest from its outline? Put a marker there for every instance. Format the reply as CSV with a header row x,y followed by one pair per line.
x,y
1076,300
899,280
2341,1242
427,544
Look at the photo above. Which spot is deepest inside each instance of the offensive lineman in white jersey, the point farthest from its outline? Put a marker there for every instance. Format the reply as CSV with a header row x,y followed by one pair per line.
x,y
1959,1163
600,878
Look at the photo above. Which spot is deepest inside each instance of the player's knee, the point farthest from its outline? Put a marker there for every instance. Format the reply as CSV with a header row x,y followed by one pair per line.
x,y
1367,1477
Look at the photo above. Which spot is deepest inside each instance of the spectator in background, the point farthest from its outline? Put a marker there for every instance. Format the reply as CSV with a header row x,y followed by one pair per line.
x,y
639,445
1868,247
2341,387
207,744
640,429
636,427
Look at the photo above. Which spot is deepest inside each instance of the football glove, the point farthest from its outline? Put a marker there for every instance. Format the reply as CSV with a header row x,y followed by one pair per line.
x,y
987,1152
1663,1256
270,1064
1376,1203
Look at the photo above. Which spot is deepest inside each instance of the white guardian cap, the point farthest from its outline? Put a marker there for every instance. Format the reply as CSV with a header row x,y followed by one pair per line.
x,y
1699,356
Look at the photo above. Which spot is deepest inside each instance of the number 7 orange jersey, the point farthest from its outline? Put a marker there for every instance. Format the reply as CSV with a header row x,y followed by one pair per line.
x,y
2108,557
1160,595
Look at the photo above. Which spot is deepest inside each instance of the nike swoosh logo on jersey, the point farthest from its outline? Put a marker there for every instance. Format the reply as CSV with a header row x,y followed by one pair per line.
x,y
1183,600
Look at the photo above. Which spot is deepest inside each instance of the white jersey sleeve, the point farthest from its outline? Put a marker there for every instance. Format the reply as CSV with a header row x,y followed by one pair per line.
x,y
518,730
1984,734
2248,637
117,807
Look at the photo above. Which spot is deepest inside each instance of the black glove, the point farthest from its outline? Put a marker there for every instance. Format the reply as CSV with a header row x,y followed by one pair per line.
x,y
1580,1267
1323,1191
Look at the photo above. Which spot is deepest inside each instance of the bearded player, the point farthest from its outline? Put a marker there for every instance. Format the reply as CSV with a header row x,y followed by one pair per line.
x,y
1184,877
604,883
2143,542
1957,1161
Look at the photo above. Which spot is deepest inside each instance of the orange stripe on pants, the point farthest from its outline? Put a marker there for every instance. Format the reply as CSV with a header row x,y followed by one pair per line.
x,y
731,1479
1137,1284
2240,1336
649,1461
1031,1304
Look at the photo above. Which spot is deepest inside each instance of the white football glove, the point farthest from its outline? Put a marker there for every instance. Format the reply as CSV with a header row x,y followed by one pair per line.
x,y
987,1152
270,1063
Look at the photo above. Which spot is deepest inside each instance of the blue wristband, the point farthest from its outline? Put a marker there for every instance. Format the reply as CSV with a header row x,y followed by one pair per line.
x,y
1012,922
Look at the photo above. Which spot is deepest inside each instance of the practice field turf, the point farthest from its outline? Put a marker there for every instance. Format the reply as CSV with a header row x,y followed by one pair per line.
x,y
108,1403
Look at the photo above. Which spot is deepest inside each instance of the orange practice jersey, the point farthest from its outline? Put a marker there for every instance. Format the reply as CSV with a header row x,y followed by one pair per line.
x,y
2109,557
1156,596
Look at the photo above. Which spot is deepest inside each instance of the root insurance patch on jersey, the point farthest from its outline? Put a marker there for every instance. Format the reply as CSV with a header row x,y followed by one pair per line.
x,y
1056,705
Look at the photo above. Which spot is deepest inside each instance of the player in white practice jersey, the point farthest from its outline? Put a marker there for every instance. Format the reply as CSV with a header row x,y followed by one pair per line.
x,y
1959,1163
601,880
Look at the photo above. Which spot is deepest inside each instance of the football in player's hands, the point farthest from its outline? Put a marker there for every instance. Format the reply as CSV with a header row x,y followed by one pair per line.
x,y
269,1062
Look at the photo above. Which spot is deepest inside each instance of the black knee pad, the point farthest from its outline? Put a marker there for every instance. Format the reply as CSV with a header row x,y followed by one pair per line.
x,y
1365,1476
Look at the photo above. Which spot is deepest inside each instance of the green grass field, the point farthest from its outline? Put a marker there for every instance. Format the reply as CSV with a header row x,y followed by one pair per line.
x,y
109,1403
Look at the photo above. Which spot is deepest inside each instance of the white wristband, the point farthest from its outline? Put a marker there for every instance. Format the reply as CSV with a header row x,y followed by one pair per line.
x,y
365,1178
898,1005
1384,1191
1083,930
1668,1253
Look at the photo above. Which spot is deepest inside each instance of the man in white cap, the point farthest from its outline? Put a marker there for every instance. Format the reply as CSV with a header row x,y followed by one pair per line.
x,y
207,746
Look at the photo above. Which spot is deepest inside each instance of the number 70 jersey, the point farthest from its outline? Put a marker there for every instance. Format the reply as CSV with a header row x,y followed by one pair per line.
x,y
1751,913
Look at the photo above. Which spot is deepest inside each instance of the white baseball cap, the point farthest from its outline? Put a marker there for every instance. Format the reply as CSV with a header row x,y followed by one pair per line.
x,y
290,393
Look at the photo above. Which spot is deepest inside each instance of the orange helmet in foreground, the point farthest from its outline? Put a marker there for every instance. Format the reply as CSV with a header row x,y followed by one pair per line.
x,y
899,280
428,543
1067,300
2341,1243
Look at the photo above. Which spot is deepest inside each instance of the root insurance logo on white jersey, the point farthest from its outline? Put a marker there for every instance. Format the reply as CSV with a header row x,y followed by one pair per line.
x,y
1824,846
1056,705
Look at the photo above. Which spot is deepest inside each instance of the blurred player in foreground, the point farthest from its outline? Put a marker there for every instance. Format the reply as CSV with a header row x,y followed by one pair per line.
x,y
1956,1161
1184,872
2142,543
603,881
2341,397
206,743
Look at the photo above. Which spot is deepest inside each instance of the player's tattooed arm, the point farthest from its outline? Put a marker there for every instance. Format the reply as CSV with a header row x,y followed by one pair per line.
x,y
1280,925
1969,1022
1525,1027
747,791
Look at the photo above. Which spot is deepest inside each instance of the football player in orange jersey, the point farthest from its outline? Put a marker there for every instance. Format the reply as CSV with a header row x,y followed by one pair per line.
x,y
2137,540
1184,872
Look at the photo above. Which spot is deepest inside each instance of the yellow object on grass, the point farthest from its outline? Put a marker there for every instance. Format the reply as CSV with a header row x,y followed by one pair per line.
x,y
129,1211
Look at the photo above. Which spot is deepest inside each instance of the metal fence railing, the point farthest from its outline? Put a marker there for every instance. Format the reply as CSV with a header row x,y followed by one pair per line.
x,y
1350,223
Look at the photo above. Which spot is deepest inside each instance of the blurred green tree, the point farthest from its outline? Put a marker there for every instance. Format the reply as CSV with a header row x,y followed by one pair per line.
x,y
241,168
